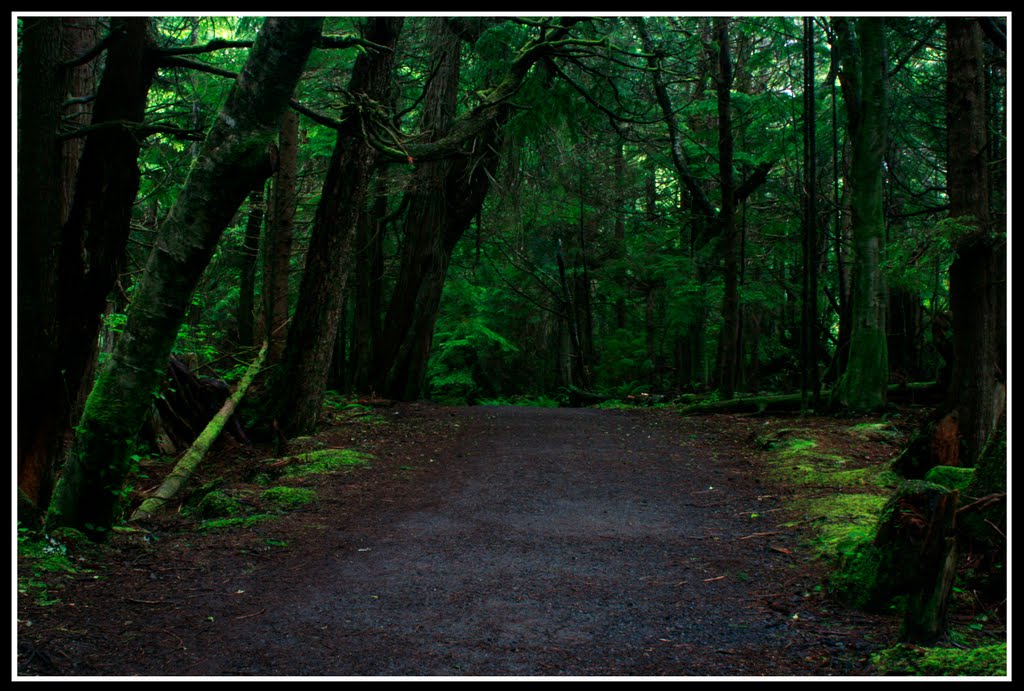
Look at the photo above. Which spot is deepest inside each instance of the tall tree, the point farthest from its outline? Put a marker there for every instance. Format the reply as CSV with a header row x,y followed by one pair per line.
x,y
295,392
809,379
233,159
863,384
68,266
277,246
429,233
977,276
729,343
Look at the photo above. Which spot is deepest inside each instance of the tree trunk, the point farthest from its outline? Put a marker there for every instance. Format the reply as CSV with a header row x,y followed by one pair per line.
x,y
919,556
79,36
41,399
277,245
296,390
234,159
977,277
729,339
809,379
247,289
369,277
446,196
863,384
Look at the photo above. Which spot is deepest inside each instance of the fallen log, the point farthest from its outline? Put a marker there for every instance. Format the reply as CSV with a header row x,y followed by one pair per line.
x,y
185,467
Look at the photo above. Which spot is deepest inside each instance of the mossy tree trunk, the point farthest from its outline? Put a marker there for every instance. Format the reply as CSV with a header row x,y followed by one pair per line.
x,y
863,383
917,542
233,161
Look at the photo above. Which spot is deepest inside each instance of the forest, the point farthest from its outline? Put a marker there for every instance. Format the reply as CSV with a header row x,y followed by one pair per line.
x,y
229,228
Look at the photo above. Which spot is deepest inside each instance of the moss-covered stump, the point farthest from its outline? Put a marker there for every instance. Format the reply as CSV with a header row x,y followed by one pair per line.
x,y
918,548
983,522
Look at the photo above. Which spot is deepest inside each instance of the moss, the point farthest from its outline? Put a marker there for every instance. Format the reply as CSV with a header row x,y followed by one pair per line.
x,y
288,498
950,476
844,518
44,563
855,579
218,504
908,660
234,522
327,461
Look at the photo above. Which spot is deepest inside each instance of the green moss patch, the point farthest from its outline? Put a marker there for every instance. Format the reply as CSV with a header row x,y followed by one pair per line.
x,y
288,498
909,660
43,564
218,504
844,519
325,461
234,522
951,477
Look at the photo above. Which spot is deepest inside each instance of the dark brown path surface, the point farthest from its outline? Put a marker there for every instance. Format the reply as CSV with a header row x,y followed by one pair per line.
x,y
484,542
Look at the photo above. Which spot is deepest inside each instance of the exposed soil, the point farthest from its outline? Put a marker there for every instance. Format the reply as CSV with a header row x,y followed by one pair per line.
x,y
484,542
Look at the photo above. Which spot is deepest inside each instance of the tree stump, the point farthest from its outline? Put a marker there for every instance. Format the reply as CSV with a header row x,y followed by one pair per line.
x,y
917,540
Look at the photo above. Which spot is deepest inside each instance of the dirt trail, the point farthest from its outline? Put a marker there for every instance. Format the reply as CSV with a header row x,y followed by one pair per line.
x,y
506,541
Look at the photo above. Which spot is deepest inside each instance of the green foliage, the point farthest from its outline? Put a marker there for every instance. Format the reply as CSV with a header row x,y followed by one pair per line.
x,y
463,343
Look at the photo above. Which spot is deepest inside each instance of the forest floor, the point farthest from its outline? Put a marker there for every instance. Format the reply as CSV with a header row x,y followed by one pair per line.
x,y
475,541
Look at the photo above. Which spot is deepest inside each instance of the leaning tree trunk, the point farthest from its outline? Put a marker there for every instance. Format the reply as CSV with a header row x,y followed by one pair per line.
x,y
183,470
863,384
295,393
233,160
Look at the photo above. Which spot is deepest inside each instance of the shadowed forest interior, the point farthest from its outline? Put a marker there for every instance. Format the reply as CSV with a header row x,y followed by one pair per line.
x,y
254,220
